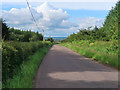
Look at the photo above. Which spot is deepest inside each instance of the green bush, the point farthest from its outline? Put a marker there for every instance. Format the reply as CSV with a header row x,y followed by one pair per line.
x,y
15,53
50,39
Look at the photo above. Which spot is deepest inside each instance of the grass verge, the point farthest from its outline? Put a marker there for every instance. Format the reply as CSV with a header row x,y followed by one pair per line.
x,y
25,76
95,52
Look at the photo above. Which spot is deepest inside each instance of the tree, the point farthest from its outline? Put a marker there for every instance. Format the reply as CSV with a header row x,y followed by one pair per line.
x,y
39,36
5,32
27,36
50,39
109,31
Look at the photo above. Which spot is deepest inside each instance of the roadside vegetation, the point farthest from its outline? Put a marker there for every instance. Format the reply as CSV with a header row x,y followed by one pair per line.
x,y
100,44
22,52
99,50
22,76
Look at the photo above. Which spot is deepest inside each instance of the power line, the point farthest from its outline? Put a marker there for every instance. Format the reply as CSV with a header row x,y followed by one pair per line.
x,y
34,19
32,14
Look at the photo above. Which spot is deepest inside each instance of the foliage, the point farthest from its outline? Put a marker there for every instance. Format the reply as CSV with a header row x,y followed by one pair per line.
x,y
99,43
50,39
15,53
25,75
102,51
17,46
5,32
110,25
24,36
11,34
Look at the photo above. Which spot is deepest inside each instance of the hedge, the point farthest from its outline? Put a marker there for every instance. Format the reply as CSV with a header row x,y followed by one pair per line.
x,y
15,53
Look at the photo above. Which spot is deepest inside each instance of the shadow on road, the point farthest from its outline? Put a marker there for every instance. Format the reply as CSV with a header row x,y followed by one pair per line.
x,y
63,68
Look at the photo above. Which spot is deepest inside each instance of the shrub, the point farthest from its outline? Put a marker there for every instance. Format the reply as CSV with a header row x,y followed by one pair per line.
x,y
50,39
15,53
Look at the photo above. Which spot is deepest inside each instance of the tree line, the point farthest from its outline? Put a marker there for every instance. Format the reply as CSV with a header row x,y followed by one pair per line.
x,y
11,34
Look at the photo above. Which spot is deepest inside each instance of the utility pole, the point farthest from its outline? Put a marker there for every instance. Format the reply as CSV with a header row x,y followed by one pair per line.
x,y
43,35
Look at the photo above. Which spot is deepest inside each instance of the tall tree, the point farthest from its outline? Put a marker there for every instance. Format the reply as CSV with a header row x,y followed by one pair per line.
x,y
5,32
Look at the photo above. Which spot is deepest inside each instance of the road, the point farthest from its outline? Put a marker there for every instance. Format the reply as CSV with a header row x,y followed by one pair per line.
x,y
63,68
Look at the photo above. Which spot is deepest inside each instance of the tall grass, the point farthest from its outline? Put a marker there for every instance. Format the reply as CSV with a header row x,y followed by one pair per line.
x,y
25,75
100,51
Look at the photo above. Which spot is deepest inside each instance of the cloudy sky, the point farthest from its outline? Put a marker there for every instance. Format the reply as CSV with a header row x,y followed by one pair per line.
x,y
56,17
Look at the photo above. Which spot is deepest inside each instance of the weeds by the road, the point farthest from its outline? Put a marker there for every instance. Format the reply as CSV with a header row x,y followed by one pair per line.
x,y
100,50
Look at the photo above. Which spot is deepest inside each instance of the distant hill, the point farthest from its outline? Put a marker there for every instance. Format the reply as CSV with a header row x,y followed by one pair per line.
x,y
57,38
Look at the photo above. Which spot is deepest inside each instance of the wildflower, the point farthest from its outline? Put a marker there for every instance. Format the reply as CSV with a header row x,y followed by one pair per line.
x,y
91,44
0,46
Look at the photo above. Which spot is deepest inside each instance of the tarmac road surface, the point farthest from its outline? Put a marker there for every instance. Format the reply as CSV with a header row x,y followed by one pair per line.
x,y
64,68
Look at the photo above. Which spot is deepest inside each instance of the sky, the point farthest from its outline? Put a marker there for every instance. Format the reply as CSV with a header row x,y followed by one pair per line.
x,y
59,18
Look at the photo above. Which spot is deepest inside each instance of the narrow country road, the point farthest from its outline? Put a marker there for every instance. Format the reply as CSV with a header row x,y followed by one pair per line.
x,y
63,68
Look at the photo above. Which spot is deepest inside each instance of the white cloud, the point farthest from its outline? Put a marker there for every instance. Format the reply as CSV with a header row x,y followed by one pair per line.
x,y
52,18
54,21
84,23
19,16
89,21
45,15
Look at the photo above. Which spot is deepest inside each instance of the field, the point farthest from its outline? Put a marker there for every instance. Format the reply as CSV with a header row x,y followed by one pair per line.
x,y
102,51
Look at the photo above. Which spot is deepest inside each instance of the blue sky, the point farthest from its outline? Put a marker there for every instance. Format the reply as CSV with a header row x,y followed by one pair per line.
x,y
57,18
87,13
73,12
